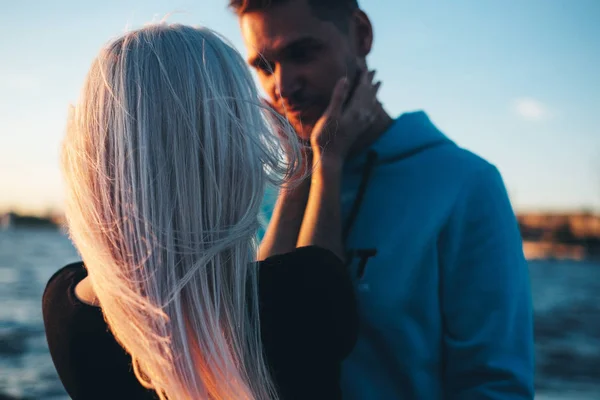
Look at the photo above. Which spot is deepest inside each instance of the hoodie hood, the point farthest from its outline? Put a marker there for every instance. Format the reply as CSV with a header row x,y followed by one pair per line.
x,y
410,133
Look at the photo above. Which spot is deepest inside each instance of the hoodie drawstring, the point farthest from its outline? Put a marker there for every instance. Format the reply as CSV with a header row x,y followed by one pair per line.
x,y
370,163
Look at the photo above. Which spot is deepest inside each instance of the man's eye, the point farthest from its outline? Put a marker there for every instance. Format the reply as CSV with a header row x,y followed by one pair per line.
x,y
303,54
264,67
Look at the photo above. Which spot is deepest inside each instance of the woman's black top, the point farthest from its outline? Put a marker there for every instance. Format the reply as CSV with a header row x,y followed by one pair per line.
x,y
308,322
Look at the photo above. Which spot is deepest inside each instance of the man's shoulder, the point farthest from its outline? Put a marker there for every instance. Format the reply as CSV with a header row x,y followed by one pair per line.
x,y
465,159
473,172
454,166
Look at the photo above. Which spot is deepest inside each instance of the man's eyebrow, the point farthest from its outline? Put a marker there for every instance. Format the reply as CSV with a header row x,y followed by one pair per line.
x,y
300,42
259,58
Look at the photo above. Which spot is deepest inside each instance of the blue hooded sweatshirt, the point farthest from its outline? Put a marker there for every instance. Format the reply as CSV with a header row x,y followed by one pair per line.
x,y
442,284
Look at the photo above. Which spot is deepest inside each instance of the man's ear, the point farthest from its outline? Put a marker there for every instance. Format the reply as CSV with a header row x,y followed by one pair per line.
x,y
363,33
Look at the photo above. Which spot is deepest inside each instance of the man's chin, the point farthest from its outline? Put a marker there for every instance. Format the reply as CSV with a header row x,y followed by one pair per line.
x,y
304,129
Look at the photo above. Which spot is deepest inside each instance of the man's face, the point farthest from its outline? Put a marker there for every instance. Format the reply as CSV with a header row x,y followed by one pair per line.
x,y
298,58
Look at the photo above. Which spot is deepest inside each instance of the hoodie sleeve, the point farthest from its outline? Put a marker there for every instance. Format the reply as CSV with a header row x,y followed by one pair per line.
x,y
486,296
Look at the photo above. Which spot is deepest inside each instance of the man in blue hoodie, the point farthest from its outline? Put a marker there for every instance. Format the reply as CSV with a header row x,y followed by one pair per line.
x,y
432,241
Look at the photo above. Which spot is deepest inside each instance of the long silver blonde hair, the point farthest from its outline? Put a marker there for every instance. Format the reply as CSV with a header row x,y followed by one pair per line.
x,y
166,159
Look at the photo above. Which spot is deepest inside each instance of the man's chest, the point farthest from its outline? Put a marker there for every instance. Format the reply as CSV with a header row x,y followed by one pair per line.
x,y
391,252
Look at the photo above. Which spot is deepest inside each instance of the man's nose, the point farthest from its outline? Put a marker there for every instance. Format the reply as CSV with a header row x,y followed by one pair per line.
x,y
287,80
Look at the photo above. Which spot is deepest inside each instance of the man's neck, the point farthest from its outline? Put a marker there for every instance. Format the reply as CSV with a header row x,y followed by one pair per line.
x,y
382,123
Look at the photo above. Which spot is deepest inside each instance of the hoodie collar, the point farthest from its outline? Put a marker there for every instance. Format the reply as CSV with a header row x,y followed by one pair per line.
x,y
408,133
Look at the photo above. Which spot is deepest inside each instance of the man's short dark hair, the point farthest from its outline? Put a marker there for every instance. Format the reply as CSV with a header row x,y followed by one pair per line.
x,y
336,11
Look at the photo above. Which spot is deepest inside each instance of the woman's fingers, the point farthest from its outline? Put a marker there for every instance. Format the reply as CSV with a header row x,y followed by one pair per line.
x,y
361,108
376,89
359,93
338,97
372,76
351,116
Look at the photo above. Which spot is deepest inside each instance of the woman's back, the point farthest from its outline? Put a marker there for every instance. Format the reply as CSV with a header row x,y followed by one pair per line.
x,y
308,325
166,159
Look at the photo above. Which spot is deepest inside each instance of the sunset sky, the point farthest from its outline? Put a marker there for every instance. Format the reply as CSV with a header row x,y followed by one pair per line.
x,y
516,81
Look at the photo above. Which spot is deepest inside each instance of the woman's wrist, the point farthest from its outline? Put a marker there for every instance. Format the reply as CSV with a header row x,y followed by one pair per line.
x,y
327,166
326,154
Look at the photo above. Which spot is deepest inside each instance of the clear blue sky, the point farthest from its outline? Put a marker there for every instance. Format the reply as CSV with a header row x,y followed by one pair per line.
x,y
516,81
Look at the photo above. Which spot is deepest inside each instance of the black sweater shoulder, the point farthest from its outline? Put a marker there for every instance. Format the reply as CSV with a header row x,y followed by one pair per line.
x,y
89,361
308,321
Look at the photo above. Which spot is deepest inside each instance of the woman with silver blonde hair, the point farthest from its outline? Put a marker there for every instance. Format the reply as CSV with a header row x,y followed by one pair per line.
x,y
166,159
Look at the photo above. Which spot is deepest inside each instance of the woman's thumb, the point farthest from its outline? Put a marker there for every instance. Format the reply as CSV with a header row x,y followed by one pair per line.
x,y
337,98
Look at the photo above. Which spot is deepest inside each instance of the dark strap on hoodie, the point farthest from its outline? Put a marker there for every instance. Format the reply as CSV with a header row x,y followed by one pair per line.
x,y
362,188
372,161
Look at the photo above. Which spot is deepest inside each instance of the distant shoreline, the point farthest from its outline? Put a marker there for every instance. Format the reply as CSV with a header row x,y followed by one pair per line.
x,y
557,251
13,220
546,236
574,236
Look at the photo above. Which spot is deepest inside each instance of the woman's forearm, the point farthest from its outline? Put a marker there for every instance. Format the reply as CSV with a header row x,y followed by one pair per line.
x,y
322,223
284,226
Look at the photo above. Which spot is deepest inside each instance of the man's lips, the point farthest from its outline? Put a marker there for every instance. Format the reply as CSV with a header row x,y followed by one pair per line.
x,y
301,111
